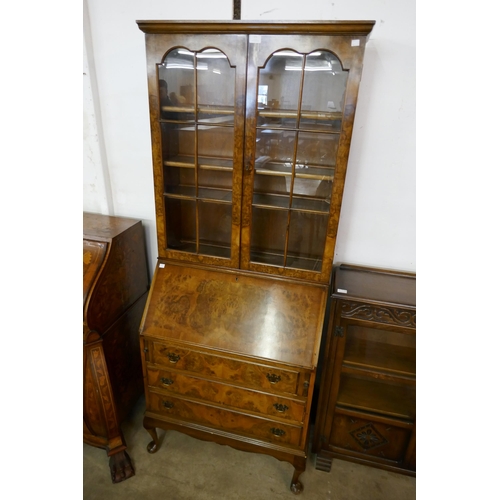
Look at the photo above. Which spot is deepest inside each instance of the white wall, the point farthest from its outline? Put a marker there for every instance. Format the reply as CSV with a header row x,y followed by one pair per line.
x,y
377,225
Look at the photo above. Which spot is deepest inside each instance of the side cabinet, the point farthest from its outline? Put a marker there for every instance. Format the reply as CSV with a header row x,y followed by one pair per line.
x,y
366,408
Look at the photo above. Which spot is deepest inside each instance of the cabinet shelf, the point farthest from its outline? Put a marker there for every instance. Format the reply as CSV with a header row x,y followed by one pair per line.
x,y
377,397
309,115
212,250
201,109
312,171
282,202
208,194
204,162
277,259
393,359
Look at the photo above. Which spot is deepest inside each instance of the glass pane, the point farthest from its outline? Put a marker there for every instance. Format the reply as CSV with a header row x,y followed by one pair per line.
x,y
317,150
268,236
215,185
278,89
177,144
176,85
274,147
181,224
323,93
215,142
216,80
306,240
215,228
180,181
311,195
271,190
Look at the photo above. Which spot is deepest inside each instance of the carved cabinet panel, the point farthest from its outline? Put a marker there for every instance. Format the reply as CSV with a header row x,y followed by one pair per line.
x,y
367,403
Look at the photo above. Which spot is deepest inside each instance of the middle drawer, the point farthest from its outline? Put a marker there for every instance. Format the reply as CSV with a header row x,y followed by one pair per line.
x,y
227,395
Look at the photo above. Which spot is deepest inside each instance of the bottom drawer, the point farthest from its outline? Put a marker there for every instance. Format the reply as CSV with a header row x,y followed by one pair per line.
x,y
227,420
383,441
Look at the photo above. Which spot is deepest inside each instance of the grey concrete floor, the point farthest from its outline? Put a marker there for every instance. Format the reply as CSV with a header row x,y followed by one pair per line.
x,y
185,468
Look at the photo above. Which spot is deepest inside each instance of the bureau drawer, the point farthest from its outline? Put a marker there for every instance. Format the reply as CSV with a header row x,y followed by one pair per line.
x,y
383,441
251,375
228,420
237,397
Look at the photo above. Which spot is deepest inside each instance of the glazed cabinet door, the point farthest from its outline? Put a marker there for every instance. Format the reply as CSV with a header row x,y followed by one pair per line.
x,y
300,103
196,93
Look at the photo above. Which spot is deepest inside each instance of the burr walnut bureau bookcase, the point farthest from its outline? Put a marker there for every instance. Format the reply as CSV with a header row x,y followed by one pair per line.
x,y
115,286
366,410
251,124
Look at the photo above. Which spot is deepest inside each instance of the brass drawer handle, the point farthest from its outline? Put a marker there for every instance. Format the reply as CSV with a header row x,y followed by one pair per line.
x,y
167,404
273,378
281,408
172,357
166,381
278,432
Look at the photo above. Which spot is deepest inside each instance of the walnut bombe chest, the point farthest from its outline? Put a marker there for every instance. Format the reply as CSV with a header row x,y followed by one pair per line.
x,y
251,126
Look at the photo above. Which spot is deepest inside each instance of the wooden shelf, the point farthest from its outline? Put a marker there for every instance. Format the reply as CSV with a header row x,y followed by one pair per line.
x,y
310,115
207,194
393,359
300,204
383,398
204,162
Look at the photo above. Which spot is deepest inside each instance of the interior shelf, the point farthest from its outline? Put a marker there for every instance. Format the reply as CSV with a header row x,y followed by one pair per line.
x,y
209,194
204,162
377,397
393,359
312,205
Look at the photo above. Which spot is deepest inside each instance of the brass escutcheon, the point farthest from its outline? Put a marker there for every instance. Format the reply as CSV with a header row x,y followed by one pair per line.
x,y
278,432
273,378
279,407
173,358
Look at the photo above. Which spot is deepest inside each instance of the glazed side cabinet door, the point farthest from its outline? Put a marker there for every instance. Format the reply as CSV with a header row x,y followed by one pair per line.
x,y
300,104
196,97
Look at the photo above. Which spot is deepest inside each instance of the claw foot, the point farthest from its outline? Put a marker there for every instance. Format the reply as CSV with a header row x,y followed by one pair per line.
x,y
121,467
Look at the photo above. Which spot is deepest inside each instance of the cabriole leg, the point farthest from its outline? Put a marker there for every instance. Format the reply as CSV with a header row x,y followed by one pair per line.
x,y
154,445
300,466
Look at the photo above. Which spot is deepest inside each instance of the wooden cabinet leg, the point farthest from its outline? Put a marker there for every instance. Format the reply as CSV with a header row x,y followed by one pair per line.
x,y
300,466
120,466
154,445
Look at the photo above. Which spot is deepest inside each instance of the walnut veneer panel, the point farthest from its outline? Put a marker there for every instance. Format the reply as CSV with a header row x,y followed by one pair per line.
x,y
238,312
216,366
228,395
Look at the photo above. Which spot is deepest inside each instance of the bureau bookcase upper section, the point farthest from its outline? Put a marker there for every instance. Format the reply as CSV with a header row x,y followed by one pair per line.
x,y
251,125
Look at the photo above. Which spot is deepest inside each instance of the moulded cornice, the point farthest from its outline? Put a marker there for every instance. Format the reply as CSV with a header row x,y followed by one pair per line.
x,y
360,28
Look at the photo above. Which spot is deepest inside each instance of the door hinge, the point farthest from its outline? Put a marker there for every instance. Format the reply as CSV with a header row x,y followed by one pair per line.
x,y
339,331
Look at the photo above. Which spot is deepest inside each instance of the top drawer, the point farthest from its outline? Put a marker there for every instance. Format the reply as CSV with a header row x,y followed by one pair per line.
x,y
251,375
